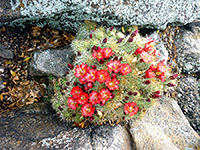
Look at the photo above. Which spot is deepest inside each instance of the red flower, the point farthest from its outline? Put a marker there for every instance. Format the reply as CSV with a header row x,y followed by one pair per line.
x,y
99,54
147,47
93,98
112,84
155,52
150,73
107,52
161,67
90,76
152,67
114,66
83,80
87,110
125,69
139,50
146,57
76,92
72,103
162,77
82,99
102,76
81,70
104,95
131,108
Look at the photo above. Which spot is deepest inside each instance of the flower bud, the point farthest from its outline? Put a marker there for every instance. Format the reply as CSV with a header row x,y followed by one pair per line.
x,y
148,100
134,33
64,88
116,58
79,54
156,96
120,40
121,58
135,93
174,76
86,88
67,72
130,93
75,84
60,108
94,66
94,48
105,40
70,66
101,61
89,85
112,96
101,104
147,82
123,118
113,76
126,97
130,39
67,83
91,118
157,92
111,28
90,35
170,84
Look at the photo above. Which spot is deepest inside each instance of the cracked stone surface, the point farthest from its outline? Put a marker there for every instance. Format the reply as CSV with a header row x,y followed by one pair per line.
x,y
68,15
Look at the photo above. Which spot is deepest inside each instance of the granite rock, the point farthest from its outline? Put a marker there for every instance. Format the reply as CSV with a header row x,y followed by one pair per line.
x,y
68,15
37,127
164,126
5,52
188,98
51,62
188,50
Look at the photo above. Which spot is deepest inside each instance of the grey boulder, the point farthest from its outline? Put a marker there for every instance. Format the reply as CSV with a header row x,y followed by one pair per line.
x,y
164,126
5,52
36,127
68,15
188,98
188,50
51,62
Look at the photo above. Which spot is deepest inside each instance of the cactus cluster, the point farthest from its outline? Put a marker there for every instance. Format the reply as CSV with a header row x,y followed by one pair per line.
x,y
114,77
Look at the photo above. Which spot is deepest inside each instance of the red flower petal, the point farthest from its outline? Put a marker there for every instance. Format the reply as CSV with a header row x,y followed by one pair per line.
x,y
131,108
81,70
93,98
114,66
76,92
150,74
83,99
146,57
90,76
107,52
72,103
139,50
87,110
112,84
102,76
125,69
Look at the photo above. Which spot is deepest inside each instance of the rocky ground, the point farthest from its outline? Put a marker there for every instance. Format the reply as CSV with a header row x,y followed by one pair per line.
x,y
29,53
170,124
